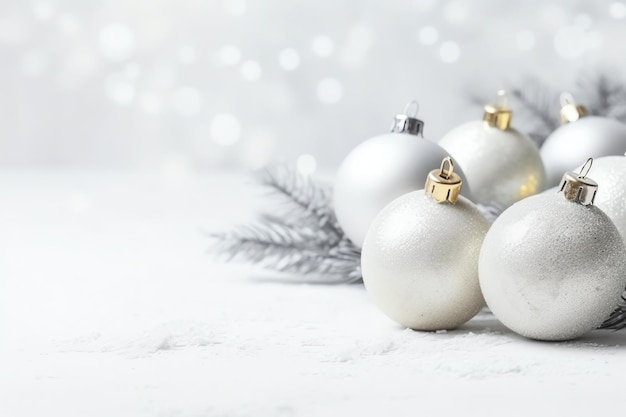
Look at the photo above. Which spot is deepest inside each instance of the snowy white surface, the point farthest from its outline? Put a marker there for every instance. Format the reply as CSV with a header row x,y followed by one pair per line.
x,y
111,307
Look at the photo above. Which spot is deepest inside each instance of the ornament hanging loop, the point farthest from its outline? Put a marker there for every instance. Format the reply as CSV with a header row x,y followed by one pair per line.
x,y
443,184
412,104
578,187
446,173
585,168
502,100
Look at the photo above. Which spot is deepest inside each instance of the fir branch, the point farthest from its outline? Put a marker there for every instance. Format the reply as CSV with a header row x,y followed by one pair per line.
x,y
603,96
540,105
310,201
302,237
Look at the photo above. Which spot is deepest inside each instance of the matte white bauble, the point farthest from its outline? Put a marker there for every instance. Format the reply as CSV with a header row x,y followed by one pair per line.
x,y
553,266
581,137
381,169
420,258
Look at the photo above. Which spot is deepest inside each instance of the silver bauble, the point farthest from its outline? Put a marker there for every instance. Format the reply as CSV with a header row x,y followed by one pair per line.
x,y
502,164
573,142
553,269
381,169
420,261
610,174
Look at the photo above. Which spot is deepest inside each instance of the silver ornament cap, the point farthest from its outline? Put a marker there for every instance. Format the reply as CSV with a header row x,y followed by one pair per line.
x,y
407,122
579,188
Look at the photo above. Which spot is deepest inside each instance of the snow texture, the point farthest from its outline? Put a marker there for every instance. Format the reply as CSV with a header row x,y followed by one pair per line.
x,y
111,306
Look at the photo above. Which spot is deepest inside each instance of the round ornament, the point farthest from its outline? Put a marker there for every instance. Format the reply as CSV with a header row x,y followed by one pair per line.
x,y
553,266
578,138
420,256
502,164
381,169
610,174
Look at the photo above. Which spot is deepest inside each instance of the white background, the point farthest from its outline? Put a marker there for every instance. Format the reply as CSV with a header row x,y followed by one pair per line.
x,y
198,85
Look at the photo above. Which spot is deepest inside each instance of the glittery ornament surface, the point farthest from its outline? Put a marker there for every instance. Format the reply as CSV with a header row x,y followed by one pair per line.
x,y
378,171
610,174
502,166
551,269
571,144
420,261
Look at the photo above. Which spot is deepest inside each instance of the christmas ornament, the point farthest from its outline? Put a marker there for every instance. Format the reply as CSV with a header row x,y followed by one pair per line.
x,y
553,266
502,164
381,169
610,174
420,256
578,138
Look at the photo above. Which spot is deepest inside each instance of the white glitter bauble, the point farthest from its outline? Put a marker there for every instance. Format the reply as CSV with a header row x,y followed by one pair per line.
x,y
381,169
588,137
420,261
610,174
552,269
501,164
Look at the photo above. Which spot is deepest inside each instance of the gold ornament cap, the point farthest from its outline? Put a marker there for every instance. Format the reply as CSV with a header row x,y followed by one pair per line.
x,y
498,114
407,122
444,184
570,111
579,188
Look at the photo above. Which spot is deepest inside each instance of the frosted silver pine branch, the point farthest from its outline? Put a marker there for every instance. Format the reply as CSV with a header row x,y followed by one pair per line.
x,y
301,237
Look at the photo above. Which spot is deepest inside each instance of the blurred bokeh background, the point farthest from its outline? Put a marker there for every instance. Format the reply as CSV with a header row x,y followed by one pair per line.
x,y
200,85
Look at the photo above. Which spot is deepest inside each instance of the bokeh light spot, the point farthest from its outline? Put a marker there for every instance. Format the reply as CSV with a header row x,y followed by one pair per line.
x,y
225,129
229,55
329,90
289,59
117,41
617,10
119,90
322,46
43,10
449,52
250,70
428,35
456,11
306,164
